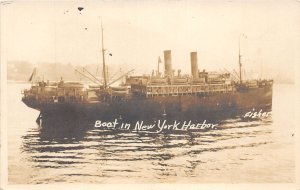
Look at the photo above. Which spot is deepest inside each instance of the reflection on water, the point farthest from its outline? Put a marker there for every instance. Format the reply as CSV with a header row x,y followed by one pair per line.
x,y
115,154
76,151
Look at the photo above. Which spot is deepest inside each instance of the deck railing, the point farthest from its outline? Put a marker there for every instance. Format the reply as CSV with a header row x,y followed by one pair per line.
x,y
156,90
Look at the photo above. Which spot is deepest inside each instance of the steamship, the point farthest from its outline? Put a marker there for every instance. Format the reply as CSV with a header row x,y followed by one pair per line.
x,y
200,95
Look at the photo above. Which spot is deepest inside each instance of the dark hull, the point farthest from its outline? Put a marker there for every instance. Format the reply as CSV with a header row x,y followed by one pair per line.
x,y
206,106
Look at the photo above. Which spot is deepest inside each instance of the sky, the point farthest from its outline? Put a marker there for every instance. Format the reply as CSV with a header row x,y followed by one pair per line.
x,y
137,32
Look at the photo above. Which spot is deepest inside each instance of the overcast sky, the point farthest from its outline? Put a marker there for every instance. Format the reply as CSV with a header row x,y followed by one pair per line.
x,y
137,32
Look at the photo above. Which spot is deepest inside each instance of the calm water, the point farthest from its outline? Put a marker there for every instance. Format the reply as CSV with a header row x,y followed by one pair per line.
x,y
235,152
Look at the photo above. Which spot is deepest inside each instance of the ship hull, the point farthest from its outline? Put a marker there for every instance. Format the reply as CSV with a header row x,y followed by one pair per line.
x,y
209,106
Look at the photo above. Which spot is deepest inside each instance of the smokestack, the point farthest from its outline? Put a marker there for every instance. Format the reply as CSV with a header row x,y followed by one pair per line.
x,y
168,63
194,65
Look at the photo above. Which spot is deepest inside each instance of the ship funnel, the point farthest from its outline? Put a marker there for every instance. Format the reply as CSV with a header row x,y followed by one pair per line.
x,y
194,65
168,63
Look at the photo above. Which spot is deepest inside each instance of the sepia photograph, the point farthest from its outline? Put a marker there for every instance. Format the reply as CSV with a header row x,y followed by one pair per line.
x,y
161,92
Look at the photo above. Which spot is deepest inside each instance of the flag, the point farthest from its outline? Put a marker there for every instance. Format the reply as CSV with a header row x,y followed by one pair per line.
x,y
32,75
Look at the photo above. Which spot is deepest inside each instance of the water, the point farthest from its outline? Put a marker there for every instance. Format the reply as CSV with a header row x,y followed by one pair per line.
x,y
237,152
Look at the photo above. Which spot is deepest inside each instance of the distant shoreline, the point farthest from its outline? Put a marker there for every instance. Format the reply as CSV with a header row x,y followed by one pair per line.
x,y
16,82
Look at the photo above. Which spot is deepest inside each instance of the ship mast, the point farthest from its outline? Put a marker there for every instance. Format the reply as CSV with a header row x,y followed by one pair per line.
x,y
240,56
240,64
158,62
103,59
